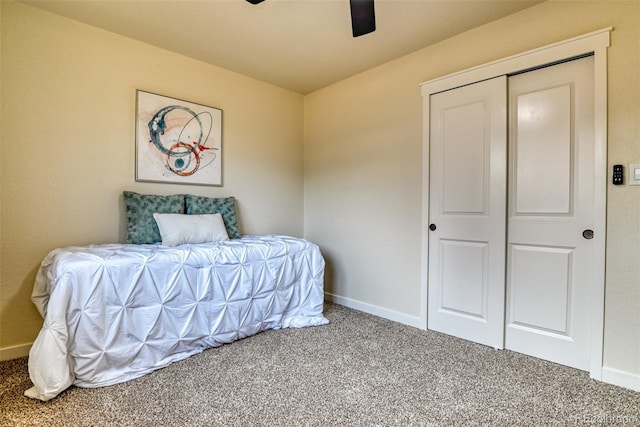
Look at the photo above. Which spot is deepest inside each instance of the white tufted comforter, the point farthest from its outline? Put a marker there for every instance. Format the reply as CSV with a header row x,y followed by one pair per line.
x,y
115,312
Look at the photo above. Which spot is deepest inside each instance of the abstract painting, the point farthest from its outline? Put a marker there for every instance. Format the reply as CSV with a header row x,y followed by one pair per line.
x,y
177,141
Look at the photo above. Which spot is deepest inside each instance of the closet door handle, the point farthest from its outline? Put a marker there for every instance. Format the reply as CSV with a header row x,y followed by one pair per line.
x,y
432,227
587,234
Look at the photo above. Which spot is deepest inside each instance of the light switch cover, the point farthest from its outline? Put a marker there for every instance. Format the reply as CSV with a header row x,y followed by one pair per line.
x,y
634,175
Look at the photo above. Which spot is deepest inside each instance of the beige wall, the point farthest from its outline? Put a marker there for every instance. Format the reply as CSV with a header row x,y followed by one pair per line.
x,y
68,99
363,151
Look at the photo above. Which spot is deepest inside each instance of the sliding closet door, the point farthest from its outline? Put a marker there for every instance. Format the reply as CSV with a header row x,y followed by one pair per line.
x,y
551,213
467,214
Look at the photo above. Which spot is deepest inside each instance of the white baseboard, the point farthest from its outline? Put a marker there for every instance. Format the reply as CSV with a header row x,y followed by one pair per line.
x,y
15,351
621,378
375,310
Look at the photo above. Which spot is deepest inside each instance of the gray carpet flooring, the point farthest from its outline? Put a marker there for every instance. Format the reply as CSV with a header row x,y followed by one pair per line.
x,y
360,370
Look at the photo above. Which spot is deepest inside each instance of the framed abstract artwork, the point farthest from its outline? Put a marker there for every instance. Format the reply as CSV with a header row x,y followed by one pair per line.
x,y
177,141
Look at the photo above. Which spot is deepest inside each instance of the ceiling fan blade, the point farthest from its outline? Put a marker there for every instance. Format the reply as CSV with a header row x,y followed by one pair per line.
x,y
363,17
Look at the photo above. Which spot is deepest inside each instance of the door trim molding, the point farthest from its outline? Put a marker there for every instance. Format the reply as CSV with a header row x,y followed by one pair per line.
x,y
595,43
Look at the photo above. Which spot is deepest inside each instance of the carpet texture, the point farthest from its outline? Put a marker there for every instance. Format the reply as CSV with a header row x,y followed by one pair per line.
x,y
360,370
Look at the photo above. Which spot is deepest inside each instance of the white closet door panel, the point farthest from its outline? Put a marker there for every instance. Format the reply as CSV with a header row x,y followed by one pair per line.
x,y
543,181
551,145
464,290
464,159
541,297
467,206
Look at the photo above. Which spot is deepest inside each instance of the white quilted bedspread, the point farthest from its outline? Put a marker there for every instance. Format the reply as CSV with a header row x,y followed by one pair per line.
x,y
115,312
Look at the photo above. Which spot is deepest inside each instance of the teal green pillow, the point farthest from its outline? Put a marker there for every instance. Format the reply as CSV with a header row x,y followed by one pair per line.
x,y
199,205
141,226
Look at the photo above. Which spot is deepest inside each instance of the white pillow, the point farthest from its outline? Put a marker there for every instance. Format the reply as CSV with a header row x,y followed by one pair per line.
x,y
178,229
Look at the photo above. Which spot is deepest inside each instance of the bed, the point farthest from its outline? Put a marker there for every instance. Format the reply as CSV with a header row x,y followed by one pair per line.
x,y
115,312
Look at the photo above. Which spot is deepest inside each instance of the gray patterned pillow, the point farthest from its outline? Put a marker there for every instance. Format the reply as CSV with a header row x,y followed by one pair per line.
x,y
141,226
199,205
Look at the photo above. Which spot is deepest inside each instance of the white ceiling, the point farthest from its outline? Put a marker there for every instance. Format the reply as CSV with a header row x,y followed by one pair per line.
x,y
301,45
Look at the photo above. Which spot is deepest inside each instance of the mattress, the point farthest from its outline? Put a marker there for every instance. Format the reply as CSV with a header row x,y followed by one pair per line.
x,y
115,312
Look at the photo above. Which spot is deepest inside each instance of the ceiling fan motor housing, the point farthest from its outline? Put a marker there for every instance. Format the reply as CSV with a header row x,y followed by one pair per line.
x,y
363,16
